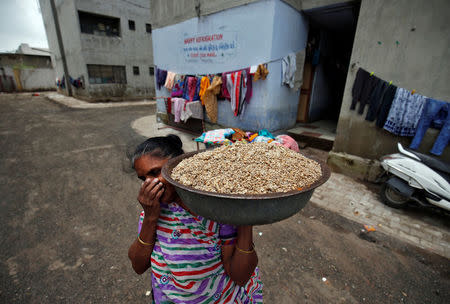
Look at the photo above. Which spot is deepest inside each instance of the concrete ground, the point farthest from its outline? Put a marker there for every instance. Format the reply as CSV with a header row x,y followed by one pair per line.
x,y
69,213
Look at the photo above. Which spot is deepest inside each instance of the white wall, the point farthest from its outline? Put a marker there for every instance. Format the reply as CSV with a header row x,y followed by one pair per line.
x,y
263,32
34,79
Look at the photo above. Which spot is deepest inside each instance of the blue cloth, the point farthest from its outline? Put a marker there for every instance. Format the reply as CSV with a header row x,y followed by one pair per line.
x,y
405,112
197,89
434,109
266,133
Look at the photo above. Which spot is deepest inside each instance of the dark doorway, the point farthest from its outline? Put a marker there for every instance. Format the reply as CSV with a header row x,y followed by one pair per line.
x,y
329,48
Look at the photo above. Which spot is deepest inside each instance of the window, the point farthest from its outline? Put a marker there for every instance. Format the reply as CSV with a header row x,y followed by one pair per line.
x,y
148,28
98,24
135,70
131,25
106,74
151,71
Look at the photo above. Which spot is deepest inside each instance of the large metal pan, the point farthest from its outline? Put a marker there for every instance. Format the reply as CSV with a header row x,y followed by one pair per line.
x,y
242,209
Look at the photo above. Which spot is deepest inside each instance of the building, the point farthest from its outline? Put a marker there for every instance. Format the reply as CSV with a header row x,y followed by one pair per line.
x,y
28,69
107,47
403,41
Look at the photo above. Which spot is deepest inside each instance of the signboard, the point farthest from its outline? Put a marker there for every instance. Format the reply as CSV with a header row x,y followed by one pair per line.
x,y
216,47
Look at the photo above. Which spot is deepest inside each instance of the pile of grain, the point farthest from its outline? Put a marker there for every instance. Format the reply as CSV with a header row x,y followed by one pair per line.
x,y
256,168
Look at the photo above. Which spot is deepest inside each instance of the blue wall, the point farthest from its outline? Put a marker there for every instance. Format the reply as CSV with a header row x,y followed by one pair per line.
x,y
263,32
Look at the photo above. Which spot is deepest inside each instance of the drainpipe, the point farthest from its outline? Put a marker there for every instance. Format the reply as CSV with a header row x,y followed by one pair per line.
x,y
61,48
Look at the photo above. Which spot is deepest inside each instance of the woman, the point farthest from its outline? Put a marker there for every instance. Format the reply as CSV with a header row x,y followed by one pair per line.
x,y
192,259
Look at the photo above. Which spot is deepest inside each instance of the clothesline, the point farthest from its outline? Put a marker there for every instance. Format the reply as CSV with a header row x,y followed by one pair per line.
x,y
400,111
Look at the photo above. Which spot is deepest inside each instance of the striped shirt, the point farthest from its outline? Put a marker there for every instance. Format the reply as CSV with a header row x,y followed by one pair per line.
x,y
186,261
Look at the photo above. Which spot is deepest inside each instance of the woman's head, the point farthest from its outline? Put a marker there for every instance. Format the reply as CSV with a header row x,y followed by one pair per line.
x,y
151,155
161,147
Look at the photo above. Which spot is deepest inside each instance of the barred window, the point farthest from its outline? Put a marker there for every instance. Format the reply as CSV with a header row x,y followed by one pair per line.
x,y
151,71
148,28
131,25
106,74
99,24
135,70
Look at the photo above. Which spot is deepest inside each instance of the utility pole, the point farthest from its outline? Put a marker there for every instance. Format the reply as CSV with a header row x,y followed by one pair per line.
x,y
61,48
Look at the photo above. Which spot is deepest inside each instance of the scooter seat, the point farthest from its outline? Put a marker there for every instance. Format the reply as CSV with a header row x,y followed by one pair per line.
x,y
434,163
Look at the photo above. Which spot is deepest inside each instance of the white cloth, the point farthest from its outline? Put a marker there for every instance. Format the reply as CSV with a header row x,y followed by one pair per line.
x,y
300,64
178,108
288,70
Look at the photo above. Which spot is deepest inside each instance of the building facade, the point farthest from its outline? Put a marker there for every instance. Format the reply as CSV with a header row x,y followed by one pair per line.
x,y
28,69
107,46
403,41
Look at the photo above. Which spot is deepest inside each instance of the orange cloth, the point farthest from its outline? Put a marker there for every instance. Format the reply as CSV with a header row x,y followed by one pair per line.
x,y
238,134
210,98
204,84
261,72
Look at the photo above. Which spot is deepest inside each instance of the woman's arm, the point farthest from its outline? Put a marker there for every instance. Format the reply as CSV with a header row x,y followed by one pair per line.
x,y
240,259
139,253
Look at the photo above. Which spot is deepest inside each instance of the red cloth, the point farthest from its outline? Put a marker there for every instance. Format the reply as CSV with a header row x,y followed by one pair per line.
x,y
192,87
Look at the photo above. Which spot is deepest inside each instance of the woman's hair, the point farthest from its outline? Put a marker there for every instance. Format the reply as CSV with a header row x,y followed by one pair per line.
x,y
162,146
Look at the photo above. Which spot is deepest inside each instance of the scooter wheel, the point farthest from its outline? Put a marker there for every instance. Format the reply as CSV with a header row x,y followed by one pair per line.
x,y
392,197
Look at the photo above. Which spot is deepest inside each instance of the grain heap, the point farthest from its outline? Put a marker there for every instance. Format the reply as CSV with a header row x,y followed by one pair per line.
x,y
256,168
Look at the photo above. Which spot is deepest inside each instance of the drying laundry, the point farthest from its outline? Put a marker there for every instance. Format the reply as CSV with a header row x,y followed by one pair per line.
x,y
405,112
376,99
191,87
300,63
260,73
204,84
192,109
210,98
288,67
369,86
170,80
288,142
360,80
177,90
161,76
388,97
178,107
434,109
217,136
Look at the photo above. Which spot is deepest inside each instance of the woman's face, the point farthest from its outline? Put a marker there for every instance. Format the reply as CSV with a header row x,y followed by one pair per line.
x,y
148,166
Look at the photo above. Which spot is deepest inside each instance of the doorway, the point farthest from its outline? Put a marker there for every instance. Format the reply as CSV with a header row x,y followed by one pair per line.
x,y
328,51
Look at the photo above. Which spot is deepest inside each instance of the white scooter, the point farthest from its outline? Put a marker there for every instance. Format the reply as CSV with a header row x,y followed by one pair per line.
x,y
412,176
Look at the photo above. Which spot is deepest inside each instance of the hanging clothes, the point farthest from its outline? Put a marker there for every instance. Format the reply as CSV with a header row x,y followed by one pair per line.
x,y
368,88
192,109
261,72
386,106
288,68
161,76
210,98
204,84
434,109
197,89
178,108
405,112
375,100
191,88
358,86
234,87
170,79
177,90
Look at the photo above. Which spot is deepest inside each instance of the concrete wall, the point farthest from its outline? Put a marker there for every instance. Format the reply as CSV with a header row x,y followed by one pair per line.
x,y
418,61
29,72
132,48
284,30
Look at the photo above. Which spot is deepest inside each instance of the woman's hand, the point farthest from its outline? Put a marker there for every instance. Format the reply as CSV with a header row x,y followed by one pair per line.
x,y
149,196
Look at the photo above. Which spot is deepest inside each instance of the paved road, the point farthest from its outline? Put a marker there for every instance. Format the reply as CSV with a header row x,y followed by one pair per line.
x,y
68,214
